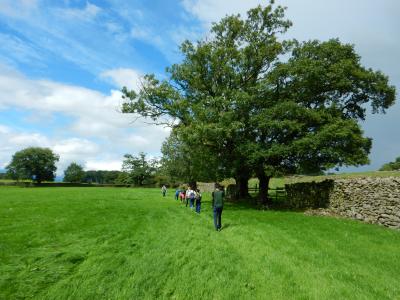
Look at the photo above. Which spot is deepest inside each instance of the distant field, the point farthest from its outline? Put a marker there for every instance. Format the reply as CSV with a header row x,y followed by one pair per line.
x,y
280,182
116,243
344,175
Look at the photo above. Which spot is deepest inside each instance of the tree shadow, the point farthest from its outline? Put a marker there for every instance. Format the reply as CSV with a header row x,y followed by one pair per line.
x,y
277,203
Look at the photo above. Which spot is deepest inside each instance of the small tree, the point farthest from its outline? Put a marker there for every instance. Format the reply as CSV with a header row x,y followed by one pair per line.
x,y
391,166
140,170
74,173
37,164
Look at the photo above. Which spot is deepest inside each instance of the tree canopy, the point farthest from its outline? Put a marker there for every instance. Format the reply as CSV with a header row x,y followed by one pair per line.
x,y
34,163
137,169
262,105
74,173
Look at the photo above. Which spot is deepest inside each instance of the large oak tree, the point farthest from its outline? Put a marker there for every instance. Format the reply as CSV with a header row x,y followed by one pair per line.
x,y
263,105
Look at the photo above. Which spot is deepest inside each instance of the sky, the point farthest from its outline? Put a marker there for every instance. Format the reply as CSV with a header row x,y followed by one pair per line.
x,y
63,64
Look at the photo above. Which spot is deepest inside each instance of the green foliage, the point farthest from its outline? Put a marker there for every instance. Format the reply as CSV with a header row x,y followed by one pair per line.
x,y
391,166
74,173
4,176
263,106
140,170
108,243
102,176
183,160
124,178
37,164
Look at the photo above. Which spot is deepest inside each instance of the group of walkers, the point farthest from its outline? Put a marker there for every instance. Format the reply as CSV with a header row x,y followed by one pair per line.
x,y
192,197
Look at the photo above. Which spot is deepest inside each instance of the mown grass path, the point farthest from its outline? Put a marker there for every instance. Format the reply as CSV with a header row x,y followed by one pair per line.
x,y
109,243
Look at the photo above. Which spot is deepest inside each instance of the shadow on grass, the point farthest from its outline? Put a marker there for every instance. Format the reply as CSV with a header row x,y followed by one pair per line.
x,y
227,225
251,203
276,203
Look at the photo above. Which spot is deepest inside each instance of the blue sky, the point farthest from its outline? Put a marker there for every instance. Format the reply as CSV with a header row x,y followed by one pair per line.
x,y
62,64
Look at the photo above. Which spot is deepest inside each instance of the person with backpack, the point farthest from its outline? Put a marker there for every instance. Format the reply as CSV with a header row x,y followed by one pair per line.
x,y
177,192
182,195
192,196
164,190
198,201
218,204
187,195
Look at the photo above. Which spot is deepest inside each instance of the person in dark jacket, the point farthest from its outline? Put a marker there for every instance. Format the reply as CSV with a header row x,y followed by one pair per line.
x,y
218,204
198,201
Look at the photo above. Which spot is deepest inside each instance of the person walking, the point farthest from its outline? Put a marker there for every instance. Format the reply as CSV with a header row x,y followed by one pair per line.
x,y
198,201
164,190
177,192
218,204
182,195
187,195
192,197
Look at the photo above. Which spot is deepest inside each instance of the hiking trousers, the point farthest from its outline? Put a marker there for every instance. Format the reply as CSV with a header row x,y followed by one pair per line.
x,y
198,206
217,217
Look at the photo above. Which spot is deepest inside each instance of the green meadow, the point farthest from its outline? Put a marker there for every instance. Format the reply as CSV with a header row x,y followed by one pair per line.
x,y
115,243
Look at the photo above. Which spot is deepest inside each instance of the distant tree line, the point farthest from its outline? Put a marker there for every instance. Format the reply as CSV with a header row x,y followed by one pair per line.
x,y
391,166
4,176
39,164
137,170
75,173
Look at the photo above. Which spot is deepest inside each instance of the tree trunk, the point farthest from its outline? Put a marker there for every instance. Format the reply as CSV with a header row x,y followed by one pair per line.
x,y
192,184
242,186
264,183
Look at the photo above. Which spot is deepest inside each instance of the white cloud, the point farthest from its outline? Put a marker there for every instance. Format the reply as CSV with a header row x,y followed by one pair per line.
x,y
88,13
95,130
123,77
70,149
138,140
24,140
18,8
103,165
76,146
145,34
52,29
208,11
12,141
19,50
4,129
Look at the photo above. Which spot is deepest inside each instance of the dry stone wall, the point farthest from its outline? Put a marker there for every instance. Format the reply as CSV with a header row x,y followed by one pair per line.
x,y
369,199
206,186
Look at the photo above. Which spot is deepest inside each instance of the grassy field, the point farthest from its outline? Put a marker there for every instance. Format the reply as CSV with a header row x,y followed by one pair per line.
x,y
109,243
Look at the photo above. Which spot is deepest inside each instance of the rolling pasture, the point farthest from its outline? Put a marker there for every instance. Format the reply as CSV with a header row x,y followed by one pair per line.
x,y
120,243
